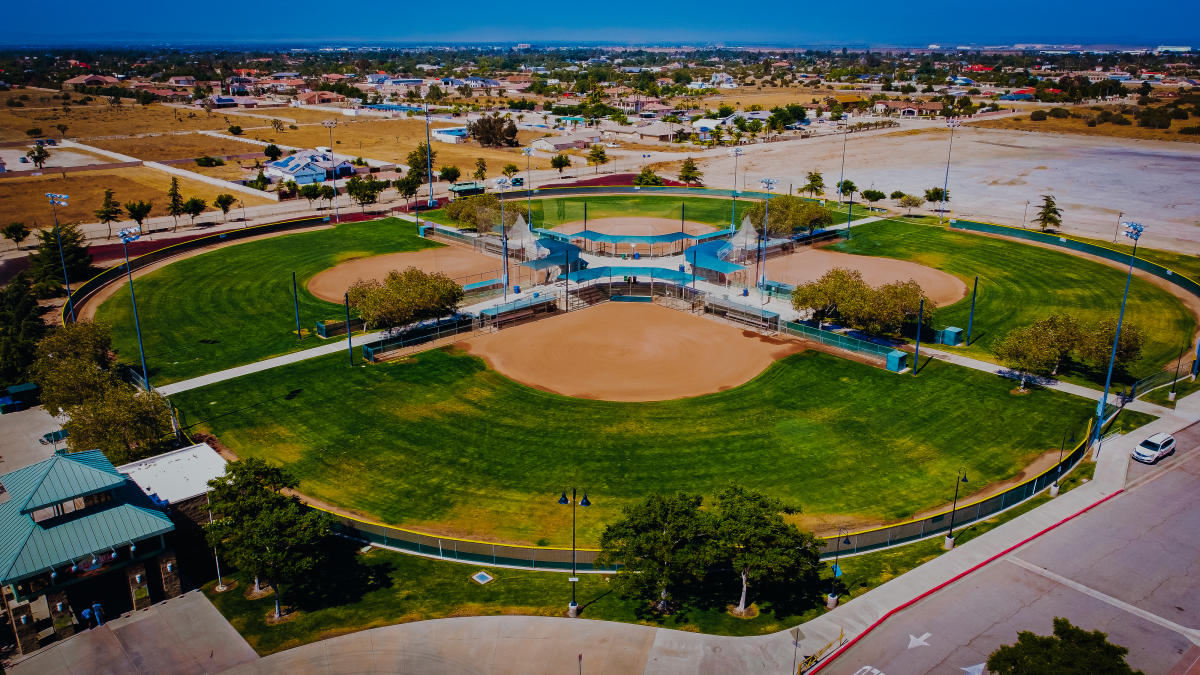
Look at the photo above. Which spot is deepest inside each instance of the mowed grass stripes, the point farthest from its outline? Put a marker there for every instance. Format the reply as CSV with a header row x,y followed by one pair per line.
x,y
441,443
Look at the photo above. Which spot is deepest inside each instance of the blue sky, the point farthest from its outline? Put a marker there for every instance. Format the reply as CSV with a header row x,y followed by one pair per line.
x,y
822,22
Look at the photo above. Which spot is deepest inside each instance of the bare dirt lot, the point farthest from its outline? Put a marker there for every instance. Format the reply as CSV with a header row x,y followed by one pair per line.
x,y
994,172
810,263
177,146
459,263
630,352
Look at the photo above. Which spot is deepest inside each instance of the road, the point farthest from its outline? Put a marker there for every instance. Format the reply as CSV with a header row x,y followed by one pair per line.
x,y
1129,567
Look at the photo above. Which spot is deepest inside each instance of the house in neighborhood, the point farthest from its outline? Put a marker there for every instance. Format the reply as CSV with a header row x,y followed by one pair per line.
x,y
908,108
308,166
76,529
181,81
90,81
656,131
569,142
320,97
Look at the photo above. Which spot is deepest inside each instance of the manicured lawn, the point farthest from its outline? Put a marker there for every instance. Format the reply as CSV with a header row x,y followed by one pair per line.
x,y
1183,387
441,443
233,306
389,588
1019,284
1188,265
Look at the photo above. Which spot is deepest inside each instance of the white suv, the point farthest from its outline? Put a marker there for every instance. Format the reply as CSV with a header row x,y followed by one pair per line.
x,y
1155,448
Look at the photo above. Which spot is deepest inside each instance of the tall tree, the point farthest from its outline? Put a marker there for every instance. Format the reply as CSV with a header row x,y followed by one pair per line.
x,y
21,327
272,152
38,155
689,173
72,362
912,202
138,211
560,162
109,211
62,130
328,193
1096,343
404,297
1049,216
365,191
175,201
937,194
1062,334
846,187
815,185
224,201
597,156
1069,651
789,214
264,532
408,187
480,169
124,422
449,174
1027,351
418,160
662,544
311,192
510,170
16,233
753,540
46,263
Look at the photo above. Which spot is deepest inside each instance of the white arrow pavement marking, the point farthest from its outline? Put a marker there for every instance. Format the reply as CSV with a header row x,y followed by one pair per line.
x,y
976,669
918,641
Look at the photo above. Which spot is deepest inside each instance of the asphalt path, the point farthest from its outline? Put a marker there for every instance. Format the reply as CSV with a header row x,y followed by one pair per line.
x,y
1129,567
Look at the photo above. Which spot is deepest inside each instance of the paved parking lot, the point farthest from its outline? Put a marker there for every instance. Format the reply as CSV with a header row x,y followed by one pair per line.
x,y
1129,567
19,433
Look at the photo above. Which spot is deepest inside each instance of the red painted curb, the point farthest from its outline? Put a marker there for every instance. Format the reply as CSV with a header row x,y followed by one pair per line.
x,y
955,578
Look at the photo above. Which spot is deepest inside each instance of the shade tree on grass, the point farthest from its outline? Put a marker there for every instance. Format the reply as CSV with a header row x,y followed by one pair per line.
x,y
1043,347
789,214
885,310
814,185
911,202
262,531
404,297
482,212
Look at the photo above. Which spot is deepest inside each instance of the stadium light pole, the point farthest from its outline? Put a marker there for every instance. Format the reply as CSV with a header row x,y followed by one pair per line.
x,y
429,158
56,201
502,185
735,153
1116,232
1134,232
842,172
127,235
573,608
953,123
528,152
959,479
337,216
761,274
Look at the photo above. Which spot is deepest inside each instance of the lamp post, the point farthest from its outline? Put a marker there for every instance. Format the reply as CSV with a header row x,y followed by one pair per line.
x,y
429,158
330,124
57,200
573,608
1134,232
1117,232
959,478
761,274
502,185
528,152
953,124
832,599
842,172
127,235
735,153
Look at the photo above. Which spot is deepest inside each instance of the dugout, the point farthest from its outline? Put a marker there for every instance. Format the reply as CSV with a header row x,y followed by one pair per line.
x,y
518,311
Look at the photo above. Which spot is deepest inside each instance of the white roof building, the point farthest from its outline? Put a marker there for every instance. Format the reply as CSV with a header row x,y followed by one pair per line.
x,y
178,475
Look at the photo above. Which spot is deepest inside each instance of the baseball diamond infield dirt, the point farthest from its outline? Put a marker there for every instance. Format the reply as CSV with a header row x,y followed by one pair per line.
x,y
630,352
457,262
808,264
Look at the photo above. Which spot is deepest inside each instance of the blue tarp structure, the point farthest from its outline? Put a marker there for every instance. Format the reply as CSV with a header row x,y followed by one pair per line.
x,y
555,258
708,256
592,235
642,273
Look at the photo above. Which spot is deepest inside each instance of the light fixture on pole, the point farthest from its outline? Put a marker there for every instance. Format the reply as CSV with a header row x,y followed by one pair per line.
x,y
429,159
528,152
337,216
734,153
127,235
959,479
832,599
761,272
1117,232
502,185
56,201
1134,232
953,123
1026,215
573,608
842,172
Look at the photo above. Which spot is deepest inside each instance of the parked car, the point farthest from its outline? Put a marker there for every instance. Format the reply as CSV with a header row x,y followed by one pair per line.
x,y
1154,448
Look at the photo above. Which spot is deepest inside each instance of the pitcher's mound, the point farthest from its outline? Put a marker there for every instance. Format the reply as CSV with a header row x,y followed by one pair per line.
x,y
623,351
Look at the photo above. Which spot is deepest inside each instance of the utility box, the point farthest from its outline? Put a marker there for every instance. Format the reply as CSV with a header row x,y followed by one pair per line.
x,y
897,361
952,336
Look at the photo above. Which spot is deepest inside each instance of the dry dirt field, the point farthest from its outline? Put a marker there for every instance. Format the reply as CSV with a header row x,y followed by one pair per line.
x,y
176,146
1079,126
105,120
457,262
23,199
809,264
629,352
392,140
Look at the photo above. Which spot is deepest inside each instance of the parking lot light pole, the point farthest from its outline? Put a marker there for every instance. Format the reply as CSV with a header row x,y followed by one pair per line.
x,y
960,477
761,272
128,235
429,159
528,152
502,185
1134,232
953,124
735,153
57,200
573,608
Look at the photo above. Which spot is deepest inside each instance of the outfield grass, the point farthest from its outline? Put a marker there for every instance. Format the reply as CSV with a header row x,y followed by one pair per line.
x,y
1188,265
441,443
1183,387
1019,284
233,306
399,588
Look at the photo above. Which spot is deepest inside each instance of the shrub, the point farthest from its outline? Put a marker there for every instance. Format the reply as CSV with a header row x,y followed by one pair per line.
x,y
1038,115
1060,113
1191,131
1121,120
205,160
235,130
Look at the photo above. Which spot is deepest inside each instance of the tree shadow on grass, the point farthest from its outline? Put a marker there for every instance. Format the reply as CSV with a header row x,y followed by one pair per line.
x,y
342,578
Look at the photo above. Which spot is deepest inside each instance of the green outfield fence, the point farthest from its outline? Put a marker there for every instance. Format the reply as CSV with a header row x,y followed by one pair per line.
x,y
838,340
549,558
83,293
